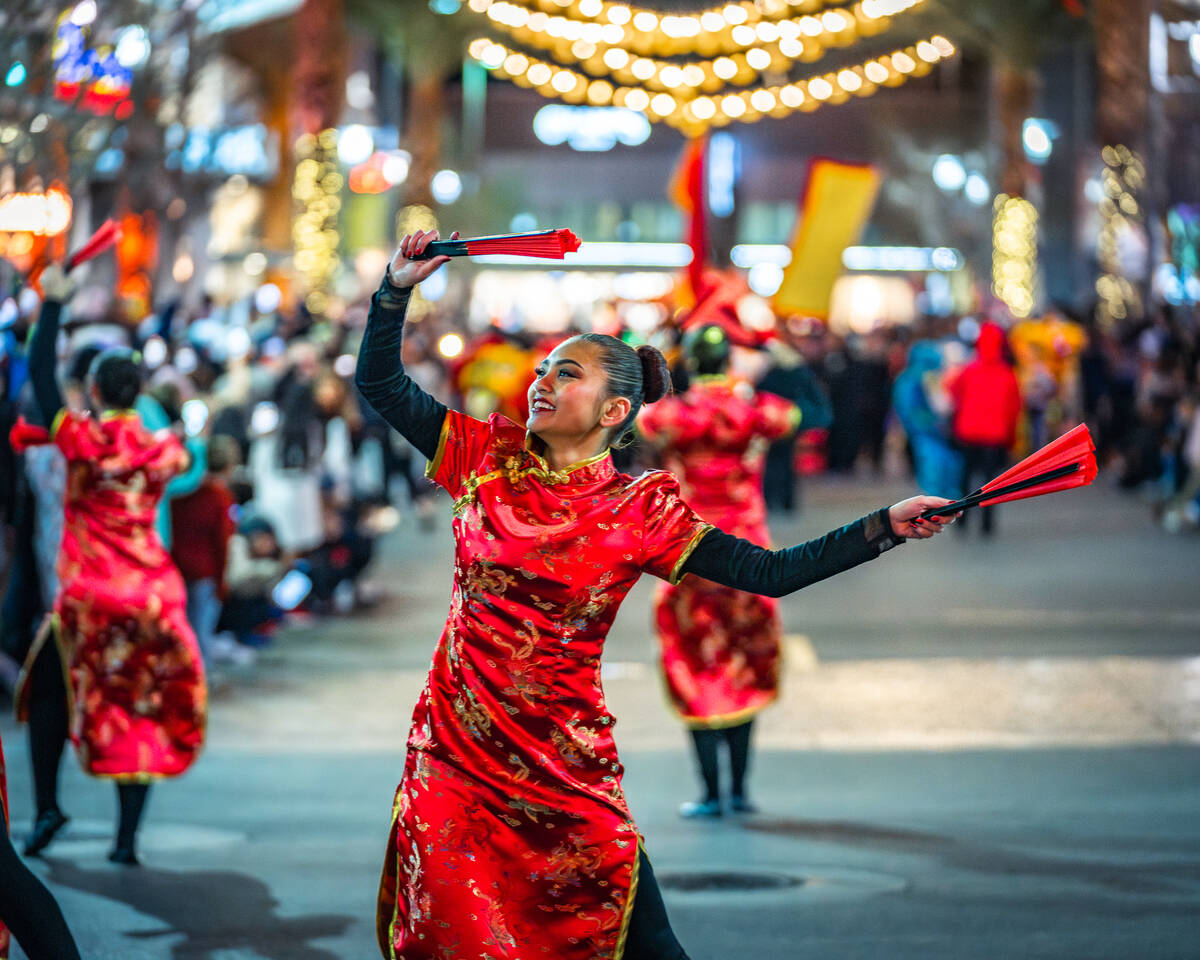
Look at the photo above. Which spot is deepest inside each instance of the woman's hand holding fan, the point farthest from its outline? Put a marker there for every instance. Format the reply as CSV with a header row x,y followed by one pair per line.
x,y
406,268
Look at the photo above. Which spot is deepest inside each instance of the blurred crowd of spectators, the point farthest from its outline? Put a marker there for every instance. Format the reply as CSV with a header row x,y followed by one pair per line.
x,y
294,478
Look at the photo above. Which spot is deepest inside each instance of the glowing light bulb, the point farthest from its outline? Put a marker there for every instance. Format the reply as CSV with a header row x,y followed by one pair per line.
x,y
758,58
637,100
616,58
643,69
663,104
849,81
876,72
733,105
820,89
762,100
724,68
791,96
928,52
671,76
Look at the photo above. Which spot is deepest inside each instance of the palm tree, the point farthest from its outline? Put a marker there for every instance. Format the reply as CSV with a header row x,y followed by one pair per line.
x,y
1122,108
1015,36
429,48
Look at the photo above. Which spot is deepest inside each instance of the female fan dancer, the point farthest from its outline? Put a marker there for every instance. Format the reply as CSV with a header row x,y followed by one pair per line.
x,y
510,834
134,677
719,647
26,907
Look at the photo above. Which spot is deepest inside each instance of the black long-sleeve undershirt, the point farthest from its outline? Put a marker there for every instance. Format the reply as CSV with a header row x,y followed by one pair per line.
x,y
719,557
381,379
42,362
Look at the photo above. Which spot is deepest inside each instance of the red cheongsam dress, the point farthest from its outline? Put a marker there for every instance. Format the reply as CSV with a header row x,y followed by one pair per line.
x,y
720,647
135,680
511,838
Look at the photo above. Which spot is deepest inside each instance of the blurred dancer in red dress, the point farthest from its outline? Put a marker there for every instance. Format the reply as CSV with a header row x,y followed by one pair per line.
x,y
134,676
720,647
510,834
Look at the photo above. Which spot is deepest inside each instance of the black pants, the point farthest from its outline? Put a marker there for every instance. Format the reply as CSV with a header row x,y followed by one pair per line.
x,y
29,910
48,720
982,463
650,935
707,744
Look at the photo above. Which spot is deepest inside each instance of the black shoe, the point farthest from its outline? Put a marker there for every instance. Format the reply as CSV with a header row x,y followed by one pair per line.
x,y
48,823
124,856
742,805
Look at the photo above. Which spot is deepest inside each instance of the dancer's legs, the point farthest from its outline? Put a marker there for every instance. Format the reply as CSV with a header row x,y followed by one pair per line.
x,y
29,910
738,740
132,798
650,936
47,726
705,742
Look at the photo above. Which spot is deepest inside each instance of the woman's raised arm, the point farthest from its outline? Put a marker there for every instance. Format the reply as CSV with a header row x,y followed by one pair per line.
x,y
380,375
42,346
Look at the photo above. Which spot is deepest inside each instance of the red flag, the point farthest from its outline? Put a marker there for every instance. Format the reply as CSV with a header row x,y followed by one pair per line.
x,y
687,191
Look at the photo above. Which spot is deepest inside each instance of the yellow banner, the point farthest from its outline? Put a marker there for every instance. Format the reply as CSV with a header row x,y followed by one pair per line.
x,y
834,208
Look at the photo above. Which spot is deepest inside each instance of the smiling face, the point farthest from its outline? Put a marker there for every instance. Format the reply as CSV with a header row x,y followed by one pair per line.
x,y
569,399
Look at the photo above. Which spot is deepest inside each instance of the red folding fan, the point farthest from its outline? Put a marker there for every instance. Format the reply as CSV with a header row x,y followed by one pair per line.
x,y
1069,461
549,244
106,236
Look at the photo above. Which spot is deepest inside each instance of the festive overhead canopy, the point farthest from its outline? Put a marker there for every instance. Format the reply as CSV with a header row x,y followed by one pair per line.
x,y
739,62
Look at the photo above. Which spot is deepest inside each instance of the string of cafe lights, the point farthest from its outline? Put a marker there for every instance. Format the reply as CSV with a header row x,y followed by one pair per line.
x,y
1014,253
317,192
1124,175
693,112
573,36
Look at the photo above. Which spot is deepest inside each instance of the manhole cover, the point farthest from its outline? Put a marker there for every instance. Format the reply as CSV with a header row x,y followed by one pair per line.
x,y
727,881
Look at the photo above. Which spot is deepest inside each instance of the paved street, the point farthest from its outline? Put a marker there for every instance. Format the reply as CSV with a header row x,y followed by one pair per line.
x,y
985,749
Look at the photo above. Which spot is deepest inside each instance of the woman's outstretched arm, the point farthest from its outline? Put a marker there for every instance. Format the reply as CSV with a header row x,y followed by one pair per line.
x,y
380,375
743,565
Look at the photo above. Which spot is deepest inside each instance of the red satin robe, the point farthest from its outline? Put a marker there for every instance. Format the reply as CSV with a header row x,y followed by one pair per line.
x,y
135,676
510,835
720,647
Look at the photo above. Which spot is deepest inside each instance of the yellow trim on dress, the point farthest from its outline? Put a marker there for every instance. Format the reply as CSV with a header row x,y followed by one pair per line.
x,y
431,468
628,914
724,720
58,419
677,570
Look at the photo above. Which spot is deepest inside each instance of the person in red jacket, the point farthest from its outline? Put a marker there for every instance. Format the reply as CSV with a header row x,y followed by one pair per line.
x,y
204,524
987,405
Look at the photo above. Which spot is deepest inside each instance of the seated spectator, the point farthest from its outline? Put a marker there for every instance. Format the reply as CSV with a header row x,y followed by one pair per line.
x,y
255,566
336,564
204,524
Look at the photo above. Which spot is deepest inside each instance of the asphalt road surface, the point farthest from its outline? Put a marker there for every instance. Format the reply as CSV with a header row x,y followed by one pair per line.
x,y
984,749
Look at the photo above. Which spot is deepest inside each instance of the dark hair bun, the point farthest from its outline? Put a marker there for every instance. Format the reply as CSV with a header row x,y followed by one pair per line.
x,y
656,376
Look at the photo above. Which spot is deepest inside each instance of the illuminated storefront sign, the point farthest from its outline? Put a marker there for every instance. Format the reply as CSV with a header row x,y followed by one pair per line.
x,y
42,214
590,128
250,150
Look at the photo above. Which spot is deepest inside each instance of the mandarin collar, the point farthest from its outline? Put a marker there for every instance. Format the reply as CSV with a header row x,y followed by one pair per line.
x,y
593,469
